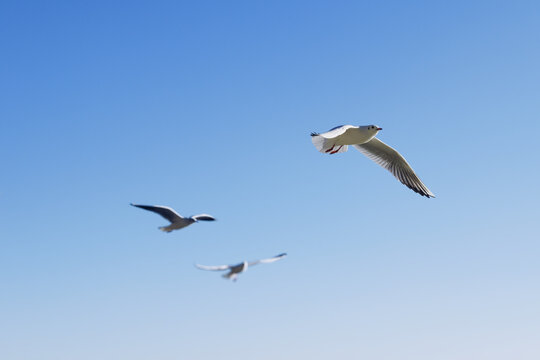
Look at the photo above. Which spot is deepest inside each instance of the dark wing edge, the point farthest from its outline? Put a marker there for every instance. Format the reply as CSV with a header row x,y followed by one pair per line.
x,y
269,260
204,217
164,211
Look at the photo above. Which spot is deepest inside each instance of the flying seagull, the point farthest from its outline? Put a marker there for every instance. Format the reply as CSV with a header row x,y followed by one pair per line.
x,y
336,141
235,270
177,221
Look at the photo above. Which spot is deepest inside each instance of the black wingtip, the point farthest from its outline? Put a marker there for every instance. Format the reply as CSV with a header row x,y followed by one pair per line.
x,y
314,134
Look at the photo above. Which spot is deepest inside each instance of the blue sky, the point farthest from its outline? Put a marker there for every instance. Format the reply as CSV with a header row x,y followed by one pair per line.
x,y
208,107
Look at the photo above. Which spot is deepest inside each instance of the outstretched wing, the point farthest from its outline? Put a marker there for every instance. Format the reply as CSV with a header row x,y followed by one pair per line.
x,y
204,217
392,161
213,268
270,260
164,211
325,142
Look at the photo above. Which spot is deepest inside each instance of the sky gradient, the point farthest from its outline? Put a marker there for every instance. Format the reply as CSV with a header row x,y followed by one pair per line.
x,y
207,107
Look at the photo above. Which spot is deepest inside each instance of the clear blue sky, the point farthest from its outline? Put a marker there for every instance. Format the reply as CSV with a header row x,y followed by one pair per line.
x,y
207,107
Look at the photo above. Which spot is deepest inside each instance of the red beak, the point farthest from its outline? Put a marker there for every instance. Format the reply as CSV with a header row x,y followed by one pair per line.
x,y
379,129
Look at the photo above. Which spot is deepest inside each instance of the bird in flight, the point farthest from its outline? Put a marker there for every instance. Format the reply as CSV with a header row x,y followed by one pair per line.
x,y
237,269
363,138
177,221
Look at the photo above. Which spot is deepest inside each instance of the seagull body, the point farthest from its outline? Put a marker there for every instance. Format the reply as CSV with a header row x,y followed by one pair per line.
x,y
237,269
338,139
177,221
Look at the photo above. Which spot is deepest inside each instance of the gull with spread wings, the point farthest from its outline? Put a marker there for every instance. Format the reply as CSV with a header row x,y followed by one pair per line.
x,y
336,141
177,221
237,269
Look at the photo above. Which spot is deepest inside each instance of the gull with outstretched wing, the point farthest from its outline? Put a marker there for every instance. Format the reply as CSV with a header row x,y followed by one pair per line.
x,y
338,139
177,221
237,269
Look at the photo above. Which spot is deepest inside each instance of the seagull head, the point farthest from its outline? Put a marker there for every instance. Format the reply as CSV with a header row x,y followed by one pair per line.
x,y
371,128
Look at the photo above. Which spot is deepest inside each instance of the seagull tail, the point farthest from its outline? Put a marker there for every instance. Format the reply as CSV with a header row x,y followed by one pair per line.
x,y
165,229
327,146
230,276
318,141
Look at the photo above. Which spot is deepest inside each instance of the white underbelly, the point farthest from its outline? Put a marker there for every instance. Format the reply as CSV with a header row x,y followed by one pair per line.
x,y
353,137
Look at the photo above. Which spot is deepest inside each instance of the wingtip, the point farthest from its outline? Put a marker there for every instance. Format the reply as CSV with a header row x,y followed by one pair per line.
x,y
314,134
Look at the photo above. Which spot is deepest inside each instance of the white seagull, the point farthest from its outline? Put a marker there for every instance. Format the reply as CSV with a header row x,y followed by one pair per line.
x,y
177,221
235,270
336,141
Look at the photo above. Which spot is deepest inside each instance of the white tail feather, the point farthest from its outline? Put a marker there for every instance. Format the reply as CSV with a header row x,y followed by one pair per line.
x,y
327,146
318,141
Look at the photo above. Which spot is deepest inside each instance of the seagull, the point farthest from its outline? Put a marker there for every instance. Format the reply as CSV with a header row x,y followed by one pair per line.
x,y
235,270
177,221
363,138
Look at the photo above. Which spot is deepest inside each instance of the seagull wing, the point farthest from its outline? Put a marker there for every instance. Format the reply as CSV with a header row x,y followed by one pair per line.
x,y
270,260
213,268
323,141
164,211
334,132
392,161
204,217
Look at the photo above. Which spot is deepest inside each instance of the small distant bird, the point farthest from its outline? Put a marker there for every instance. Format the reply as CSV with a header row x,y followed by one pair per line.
x,y
336,141
235,270
177,221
